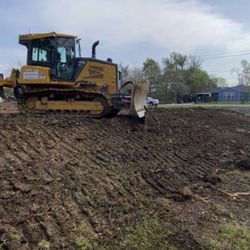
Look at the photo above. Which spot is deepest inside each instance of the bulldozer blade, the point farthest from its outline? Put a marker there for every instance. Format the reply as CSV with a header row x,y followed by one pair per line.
x,y
136,107
138,100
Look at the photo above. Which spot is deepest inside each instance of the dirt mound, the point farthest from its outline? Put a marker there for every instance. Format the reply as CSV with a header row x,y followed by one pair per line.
x,y
59,172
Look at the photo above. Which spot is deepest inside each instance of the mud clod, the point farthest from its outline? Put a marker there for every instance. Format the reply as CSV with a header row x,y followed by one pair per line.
x,y
243,164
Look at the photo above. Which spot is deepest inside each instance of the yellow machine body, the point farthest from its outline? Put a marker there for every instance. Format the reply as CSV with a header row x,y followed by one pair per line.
x,y
56,78
93,72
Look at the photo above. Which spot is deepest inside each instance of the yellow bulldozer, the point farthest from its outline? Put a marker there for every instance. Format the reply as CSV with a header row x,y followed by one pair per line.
x,y
56,77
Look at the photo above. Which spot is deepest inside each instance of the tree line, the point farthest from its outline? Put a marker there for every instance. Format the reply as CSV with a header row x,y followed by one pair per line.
x,y
177,79
243,73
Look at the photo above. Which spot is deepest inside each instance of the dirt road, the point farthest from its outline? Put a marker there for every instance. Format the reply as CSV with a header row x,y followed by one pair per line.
x,y
59,172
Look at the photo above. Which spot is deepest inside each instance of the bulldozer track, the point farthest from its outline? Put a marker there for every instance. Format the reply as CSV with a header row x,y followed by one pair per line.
x,y
68,95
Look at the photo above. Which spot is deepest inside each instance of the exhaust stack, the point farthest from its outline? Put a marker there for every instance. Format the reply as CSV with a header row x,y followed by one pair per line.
x,y
95,44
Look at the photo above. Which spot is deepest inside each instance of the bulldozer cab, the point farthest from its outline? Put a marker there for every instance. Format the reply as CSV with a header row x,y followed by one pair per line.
x,y
56,51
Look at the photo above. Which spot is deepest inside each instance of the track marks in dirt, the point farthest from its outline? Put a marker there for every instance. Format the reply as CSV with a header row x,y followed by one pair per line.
x,y
59,171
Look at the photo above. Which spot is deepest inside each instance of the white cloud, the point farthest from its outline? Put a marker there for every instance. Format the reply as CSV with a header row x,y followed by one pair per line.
x,y
5,69
11,58
172,25
125,26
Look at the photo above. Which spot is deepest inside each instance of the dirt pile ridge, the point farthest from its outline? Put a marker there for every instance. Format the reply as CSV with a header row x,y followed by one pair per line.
x,y
59,171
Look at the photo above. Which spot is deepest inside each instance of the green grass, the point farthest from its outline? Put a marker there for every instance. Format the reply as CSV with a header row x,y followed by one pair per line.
x,y
232,237
219,104
240,108
150,234
236,181
16,235
44,245
229,103
85,238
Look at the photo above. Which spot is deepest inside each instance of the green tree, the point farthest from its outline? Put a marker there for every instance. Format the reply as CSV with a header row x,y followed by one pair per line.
x,y
218,82
152,72
243,73
246,71
181,77
175,62
124,72
197,80
151,68
173,77
135,74
194,62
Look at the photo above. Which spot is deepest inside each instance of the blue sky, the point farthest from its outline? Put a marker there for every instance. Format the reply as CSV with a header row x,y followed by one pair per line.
x,y
132,30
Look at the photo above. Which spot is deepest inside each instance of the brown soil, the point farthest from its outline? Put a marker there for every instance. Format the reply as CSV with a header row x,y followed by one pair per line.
x,y
182,166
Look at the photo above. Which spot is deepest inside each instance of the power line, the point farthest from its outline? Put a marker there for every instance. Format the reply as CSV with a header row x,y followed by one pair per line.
x,y
227,53
219,71
224,56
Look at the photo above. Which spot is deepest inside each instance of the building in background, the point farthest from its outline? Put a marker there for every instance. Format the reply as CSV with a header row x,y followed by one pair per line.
x,y
239,93
208,95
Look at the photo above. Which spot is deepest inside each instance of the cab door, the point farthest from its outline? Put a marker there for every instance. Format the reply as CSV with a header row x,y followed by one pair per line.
x,y
65,59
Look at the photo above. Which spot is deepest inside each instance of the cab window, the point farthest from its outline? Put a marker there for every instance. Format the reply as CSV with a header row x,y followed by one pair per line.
x,y
41,51
65,58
